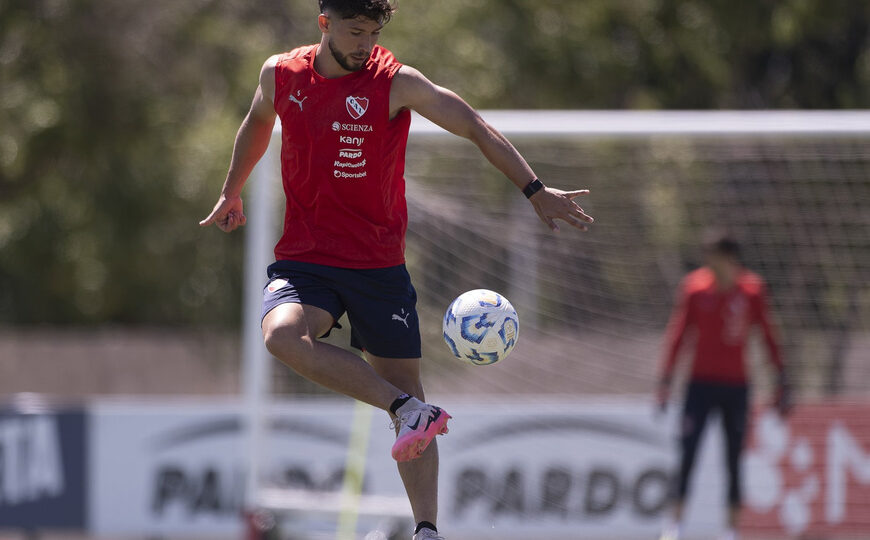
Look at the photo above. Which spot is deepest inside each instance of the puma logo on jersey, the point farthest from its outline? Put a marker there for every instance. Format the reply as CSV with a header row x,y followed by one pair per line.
x,y
296,100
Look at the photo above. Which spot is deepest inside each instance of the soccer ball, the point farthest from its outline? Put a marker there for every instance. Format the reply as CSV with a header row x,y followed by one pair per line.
x,y
481,327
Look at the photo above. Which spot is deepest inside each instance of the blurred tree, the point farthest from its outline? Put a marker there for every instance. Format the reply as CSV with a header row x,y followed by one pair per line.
x,y
118,121
117,117
617,54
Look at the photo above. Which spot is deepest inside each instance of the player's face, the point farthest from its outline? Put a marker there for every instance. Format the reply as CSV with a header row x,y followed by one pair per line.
x,y
720,264
351,41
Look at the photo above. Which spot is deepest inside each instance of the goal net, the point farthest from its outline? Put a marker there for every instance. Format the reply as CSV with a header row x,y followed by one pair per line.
x,y
794,187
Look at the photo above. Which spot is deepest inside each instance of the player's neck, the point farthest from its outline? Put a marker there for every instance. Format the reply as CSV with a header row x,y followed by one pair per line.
x,y
726,276
325,64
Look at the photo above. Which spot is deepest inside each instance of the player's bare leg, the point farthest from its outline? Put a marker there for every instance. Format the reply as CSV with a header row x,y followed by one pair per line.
x,y
420,476
291,331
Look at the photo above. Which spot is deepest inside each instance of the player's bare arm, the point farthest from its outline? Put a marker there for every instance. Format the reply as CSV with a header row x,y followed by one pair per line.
x,y
251,142
412,90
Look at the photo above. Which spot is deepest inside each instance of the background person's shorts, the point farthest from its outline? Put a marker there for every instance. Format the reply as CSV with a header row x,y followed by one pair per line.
x,y
380,302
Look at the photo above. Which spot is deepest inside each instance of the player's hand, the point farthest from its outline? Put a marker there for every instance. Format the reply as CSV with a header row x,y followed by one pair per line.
x,y
227,214
552,204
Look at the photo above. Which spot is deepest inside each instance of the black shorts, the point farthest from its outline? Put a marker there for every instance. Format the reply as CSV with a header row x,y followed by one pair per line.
x,y
380,302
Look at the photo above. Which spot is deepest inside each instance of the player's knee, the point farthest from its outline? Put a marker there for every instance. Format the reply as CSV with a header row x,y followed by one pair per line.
x,y
286,344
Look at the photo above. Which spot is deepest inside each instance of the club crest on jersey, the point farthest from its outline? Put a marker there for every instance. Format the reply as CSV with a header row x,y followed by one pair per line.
x,y
356,106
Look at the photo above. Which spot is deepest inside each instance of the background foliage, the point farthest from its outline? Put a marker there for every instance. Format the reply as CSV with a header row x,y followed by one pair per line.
x,y
117,117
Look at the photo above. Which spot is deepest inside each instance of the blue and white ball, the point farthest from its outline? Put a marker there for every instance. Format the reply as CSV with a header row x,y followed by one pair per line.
x,y
481,327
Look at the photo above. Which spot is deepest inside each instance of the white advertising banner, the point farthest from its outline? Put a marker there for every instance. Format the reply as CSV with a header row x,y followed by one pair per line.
x,y
568,469
166,468
509,469
178,468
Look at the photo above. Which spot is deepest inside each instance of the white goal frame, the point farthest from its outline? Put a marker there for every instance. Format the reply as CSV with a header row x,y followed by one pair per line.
x,y
261,230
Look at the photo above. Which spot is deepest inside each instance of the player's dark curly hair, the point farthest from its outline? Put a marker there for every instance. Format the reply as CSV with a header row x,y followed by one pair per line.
x,y
376,10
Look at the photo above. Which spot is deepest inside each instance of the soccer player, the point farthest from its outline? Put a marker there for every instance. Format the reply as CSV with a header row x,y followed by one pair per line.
x,y
344,106
718,303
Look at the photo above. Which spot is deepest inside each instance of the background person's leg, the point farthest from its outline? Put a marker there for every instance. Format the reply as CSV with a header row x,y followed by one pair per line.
x,y
734,418
695,412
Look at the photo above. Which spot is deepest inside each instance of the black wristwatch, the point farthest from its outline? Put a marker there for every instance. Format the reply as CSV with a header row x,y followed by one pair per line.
x,y
533,187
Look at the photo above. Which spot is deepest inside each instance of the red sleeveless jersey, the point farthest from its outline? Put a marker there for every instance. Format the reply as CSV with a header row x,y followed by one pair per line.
x,y
342,163
721,321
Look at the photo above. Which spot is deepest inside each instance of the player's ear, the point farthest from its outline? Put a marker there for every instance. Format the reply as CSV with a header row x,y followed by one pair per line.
x,y
323,22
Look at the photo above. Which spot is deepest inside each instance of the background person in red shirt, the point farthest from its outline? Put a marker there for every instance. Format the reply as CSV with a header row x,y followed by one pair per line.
x,y
716,307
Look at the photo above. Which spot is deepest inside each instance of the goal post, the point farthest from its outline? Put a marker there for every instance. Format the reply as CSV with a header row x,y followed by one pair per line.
x,y
583,123
261,235
793,185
